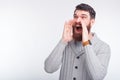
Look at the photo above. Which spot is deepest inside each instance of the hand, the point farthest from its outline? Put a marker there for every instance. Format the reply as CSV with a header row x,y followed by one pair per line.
x,y
85,35
67,33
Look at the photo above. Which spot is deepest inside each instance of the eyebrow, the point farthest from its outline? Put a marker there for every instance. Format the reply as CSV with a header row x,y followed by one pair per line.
x,y
81,14
84,15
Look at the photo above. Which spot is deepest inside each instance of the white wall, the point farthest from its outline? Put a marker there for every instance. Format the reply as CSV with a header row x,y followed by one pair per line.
x,y
30,29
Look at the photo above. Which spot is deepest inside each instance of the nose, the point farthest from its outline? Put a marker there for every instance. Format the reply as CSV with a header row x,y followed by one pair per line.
x,y
78,20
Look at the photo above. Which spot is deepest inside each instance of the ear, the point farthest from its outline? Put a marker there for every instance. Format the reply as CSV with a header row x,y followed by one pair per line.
x,y
92,22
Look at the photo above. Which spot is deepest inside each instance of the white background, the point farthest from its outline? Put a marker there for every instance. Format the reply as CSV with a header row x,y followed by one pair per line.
x,y
30,29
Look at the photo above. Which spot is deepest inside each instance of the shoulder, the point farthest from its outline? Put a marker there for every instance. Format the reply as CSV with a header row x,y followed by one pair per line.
x,y
104,46
99,44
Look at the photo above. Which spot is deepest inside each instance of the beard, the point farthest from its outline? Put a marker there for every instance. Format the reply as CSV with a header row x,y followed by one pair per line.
x,y
77,31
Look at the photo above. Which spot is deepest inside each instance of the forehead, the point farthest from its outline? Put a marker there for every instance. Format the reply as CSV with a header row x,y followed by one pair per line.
x,y
81,12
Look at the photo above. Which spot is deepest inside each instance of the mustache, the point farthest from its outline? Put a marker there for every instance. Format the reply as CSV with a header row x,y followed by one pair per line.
x,y
77,24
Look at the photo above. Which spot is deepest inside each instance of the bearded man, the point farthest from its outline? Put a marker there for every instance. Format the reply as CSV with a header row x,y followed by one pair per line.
x,y
80,54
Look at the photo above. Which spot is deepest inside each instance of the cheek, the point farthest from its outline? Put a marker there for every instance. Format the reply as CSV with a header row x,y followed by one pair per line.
x,y
88,22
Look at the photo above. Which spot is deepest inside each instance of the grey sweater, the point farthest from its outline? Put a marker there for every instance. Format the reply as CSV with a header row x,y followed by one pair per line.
x,y
78,62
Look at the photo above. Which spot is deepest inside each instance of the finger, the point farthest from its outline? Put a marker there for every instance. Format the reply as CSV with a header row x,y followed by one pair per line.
x,y
71,22
83,23
66,24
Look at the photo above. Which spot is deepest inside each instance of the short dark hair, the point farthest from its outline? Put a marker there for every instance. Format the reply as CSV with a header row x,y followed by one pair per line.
x,y
88,8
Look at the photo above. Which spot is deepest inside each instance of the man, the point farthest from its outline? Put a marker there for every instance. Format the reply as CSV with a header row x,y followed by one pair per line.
x,y
80,53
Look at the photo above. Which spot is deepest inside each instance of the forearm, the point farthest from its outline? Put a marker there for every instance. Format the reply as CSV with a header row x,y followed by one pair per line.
x,y
52,63
97,70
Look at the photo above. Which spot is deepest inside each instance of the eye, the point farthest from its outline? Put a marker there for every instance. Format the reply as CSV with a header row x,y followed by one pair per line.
x,y
83,17
75,16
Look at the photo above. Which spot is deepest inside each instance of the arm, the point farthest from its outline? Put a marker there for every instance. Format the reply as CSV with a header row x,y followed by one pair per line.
x,y
97,63
52,63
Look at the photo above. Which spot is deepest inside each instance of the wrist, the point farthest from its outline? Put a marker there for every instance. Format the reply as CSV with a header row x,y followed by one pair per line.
x,y
85,43
64,40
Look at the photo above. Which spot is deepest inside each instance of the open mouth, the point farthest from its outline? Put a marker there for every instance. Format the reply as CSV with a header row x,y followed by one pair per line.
x,y
78,28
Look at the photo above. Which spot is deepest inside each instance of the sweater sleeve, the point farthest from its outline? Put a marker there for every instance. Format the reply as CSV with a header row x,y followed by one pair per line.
x,y
53,62
97,63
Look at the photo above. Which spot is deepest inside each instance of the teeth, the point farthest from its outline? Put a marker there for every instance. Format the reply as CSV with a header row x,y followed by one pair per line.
x,y
78,26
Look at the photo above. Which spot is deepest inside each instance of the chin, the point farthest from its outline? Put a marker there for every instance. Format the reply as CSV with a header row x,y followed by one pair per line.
x,y
77,37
